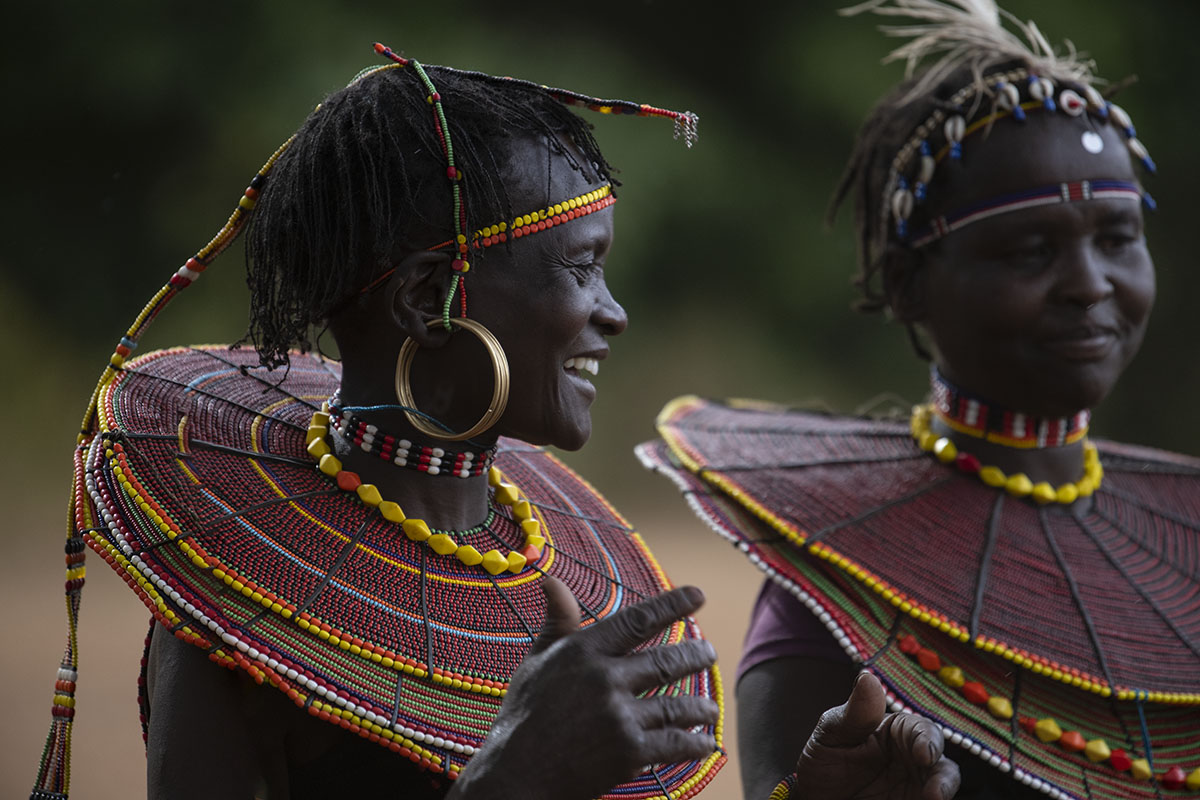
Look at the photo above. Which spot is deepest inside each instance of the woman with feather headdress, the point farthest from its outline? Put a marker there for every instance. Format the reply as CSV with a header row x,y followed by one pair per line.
x,y
1033,592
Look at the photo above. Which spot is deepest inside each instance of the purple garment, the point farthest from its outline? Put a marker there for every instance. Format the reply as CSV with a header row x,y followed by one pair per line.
x,y
781,627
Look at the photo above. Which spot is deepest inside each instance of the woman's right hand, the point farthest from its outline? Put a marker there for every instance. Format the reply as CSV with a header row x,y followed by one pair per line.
x,y
572,724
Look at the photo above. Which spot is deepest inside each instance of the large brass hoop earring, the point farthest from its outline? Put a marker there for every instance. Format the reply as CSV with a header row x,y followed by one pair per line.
x,y
500,376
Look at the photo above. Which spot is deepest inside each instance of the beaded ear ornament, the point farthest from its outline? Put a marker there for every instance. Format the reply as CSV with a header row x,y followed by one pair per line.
x,y
970,32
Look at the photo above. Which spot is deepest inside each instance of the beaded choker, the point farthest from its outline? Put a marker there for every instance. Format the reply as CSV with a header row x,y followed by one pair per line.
x,y
404,452
1017,484
966,413
442,542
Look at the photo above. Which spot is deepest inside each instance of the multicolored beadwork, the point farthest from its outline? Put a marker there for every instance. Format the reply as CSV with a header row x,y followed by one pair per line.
x,y
1018,484
966,413
403,452
441,542
940,137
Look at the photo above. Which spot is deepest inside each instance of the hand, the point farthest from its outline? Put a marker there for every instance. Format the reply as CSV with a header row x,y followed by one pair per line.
x,y
571,724
858,752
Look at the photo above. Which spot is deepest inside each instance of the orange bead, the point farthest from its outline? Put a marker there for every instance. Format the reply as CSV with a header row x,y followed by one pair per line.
x,y
347,480
1073,741
975,693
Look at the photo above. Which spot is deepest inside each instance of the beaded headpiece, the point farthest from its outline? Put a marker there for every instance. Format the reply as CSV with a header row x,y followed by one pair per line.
x,y
1015,73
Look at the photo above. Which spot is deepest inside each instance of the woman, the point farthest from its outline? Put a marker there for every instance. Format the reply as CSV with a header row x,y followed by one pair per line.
x,y
1025,588
384,542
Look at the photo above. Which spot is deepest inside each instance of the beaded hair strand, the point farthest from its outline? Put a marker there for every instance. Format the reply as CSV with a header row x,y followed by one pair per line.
x,y
968,63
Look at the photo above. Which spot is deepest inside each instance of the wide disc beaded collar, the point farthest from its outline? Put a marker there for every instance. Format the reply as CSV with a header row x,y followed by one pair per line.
x,y
198,490
1060,643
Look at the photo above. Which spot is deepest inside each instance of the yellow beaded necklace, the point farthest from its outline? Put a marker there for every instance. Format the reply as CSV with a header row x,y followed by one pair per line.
x,y
506,494
1018,484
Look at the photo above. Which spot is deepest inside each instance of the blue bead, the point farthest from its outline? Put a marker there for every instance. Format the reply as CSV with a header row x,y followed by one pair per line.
x,y
956,150
1148,201
1018,113
919,192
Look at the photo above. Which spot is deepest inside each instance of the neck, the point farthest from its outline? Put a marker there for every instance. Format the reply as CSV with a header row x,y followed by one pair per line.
x,y
442,500
1045,449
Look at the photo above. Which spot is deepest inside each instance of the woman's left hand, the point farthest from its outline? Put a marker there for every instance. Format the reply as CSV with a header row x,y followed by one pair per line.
x,y
857,751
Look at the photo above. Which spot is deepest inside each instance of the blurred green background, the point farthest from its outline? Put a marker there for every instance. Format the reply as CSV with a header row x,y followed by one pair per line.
x,y
131,129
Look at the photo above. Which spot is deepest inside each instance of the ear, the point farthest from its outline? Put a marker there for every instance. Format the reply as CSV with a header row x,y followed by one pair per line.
x,y
904,276
416,292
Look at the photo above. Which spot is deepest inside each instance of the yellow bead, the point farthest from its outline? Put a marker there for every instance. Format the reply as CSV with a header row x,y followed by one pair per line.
x,y
1018,485
391,511
1086,486
531,527
1047,730
1140,770
1193,779
314,432
952,676
516,562
416,529
999,707
495,562
320,418
494,476
329,464
506,494
1043,492
317,448
468,555
1067,493
522,511
945,450
1097,750
441,543
537,541
992,476
927,440
369,494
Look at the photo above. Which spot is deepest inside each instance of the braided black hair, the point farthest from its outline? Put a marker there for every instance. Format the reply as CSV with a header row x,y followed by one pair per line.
x,y
365,180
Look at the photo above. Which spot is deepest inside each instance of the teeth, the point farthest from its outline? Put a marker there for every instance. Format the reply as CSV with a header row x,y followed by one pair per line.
x,y
582,364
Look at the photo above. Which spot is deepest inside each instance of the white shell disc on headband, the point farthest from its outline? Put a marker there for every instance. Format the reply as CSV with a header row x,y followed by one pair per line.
x,y
1092,142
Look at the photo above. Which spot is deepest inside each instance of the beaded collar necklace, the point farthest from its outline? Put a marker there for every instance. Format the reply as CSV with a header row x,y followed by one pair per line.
x,y
399,450
1017,484
442,542
966,413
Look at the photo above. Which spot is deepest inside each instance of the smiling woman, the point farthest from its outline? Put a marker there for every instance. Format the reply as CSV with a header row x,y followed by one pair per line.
x,y
1030,590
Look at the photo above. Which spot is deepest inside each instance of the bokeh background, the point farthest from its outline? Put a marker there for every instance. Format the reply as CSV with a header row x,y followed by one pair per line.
x,y
130,129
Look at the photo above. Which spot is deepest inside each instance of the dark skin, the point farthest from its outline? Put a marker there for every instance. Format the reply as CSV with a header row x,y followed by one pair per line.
x,y
547,303
1039,310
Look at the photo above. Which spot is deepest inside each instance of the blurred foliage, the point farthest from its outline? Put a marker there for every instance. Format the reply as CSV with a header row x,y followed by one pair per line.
x,y
134,126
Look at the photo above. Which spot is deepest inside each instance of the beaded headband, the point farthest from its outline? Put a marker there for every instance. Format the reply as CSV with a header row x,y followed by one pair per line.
x,y
972,34
685,125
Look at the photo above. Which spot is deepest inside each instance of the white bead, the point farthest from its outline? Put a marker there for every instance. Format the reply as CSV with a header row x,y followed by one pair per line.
x,y
1094,97
955,128
439,741
1041,88
435,462
1120,116
927,167
434,470
371,430
1008,96
1138,149
405,443
902,204
438,452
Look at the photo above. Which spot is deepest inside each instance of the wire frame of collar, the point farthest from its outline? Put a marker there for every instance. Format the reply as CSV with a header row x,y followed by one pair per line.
x,y
1013,93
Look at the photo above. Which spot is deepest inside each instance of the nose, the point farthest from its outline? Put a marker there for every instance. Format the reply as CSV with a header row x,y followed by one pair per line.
x,y
608,314
1084,279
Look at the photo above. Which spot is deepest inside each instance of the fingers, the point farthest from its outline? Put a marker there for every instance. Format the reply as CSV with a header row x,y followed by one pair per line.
x,y
621,632
918,738
676,712
669,745
562,614
943,782
855,720
659,666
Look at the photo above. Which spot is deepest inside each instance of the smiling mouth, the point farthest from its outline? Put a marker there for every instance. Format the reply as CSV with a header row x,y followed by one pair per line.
x,y
582,364
1084,344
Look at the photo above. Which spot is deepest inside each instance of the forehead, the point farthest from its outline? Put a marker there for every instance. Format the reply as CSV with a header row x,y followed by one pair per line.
x,y
1044,150
537,176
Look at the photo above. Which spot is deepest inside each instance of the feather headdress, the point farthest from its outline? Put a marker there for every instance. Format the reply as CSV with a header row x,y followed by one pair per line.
x,y
974,32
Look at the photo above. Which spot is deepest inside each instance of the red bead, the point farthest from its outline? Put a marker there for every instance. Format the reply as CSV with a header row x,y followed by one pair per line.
x,y
531,553
929,659
1120,761
1174,778
967,463
349,481
908,645
1072,741
975,693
